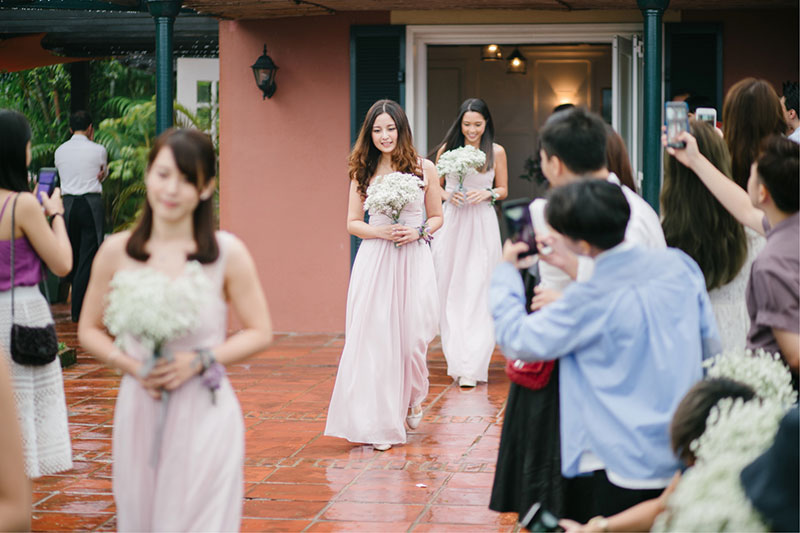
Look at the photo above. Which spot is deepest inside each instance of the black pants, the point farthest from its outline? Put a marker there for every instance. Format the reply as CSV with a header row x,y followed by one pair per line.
x,y
593,495
83,237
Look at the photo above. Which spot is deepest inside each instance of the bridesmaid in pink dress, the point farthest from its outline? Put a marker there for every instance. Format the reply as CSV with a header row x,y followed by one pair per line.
x,y
196,484
392,306
468,247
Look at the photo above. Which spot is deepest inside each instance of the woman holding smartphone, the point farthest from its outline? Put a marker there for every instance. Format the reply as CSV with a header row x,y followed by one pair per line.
x,y
38,390
467,249
392,309
178,465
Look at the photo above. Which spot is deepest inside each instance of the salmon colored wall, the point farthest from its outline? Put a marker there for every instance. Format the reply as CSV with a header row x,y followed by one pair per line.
x,y
283,161
760,43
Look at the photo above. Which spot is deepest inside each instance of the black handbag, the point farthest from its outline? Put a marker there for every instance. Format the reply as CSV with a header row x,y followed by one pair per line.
x,y
32,346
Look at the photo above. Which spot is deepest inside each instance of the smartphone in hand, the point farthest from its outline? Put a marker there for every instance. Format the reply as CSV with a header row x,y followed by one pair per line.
x,y
517,215
706,114
677,121
46,182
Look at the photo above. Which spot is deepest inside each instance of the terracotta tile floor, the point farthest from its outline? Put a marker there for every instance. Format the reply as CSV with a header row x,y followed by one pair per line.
x,y
295,478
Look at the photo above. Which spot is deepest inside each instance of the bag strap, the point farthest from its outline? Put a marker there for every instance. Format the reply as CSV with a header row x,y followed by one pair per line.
x,y
13,245
5,204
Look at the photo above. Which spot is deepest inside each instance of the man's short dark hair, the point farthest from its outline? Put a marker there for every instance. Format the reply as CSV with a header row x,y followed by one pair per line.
x,y
790,96
578,138
592,210
80,121
778,167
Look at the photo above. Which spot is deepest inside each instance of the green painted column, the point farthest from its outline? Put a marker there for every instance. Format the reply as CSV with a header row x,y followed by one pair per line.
x,y
652,10
164,13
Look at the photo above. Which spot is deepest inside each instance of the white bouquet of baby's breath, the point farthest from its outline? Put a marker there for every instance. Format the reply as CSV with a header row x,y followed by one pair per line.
x,y
764,372
709,496
390,193
459,161
154,308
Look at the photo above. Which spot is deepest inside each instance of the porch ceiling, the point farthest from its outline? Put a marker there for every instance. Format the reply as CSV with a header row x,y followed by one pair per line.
x,y
259,9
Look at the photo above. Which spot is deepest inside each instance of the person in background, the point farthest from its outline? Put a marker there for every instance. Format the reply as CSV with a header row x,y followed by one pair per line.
x,y
467,247
751,112
392,302
15,488
619,163
772,481
630,340
769,206
694,221
688,424
38,390
791,110
82,166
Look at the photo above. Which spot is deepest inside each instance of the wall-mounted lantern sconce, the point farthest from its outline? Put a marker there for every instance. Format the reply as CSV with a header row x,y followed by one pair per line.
x,y
264,69
491,52
517,64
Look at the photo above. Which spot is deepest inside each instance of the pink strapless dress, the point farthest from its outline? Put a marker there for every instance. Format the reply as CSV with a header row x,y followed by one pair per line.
x,y
198,483
465,252
392,314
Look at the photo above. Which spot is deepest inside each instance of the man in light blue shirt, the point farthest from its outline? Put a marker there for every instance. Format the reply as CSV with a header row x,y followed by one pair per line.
x,y
631,340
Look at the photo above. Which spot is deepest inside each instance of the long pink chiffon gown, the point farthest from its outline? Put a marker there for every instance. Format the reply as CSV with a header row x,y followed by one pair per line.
x,y
198,482
465,251
392,313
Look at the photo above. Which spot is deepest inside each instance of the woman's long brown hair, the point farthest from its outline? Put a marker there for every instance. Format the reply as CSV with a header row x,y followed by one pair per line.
x,y
694,221
364,158
752,112
195,158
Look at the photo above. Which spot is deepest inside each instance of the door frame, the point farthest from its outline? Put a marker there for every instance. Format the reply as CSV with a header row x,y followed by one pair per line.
x,y
419,37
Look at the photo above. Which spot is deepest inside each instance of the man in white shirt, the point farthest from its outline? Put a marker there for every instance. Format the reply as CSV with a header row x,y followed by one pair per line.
x,y
82,166
573,147
789,102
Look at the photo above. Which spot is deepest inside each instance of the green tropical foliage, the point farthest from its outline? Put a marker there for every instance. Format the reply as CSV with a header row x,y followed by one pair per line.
x,y
43,96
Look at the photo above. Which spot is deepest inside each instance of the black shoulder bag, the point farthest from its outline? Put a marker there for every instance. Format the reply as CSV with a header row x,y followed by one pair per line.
x,y
33,346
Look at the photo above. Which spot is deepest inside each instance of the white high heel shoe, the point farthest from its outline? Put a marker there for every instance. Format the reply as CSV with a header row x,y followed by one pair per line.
x,y
414,418
466,383
381,447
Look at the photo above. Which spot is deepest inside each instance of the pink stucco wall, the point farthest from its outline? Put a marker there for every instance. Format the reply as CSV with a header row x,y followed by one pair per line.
x,y
283,161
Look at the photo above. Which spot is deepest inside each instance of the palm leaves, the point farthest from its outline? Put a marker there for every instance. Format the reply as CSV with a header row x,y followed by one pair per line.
x,y
128,139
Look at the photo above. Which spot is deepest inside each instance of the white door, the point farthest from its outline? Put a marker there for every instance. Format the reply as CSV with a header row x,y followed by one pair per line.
x,y
627,97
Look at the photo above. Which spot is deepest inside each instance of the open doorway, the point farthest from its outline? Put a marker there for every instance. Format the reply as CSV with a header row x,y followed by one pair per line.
x,y
520,103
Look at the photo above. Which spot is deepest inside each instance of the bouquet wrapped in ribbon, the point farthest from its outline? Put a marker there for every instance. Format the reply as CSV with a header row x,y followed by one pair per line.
x,y
149,308
390,193
458,161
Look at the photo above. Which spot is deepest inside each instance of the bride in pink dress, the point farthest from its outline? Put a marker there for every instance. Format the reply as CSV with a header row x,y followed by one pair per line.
x,y
468,247
190,478
392,306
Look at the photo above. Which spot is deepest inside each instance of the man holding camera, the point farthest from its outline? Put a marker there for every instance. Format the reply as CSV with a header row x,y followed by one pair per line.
x,y
630,340
82,166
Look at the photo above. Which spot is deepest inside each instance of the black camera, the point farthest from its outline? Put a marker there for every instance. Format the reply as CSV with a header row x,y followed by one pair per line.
x,y
538,519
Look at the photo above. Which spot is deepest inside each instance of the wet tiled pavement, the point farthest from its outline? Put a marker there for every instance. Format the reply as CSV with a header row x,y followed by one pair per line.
x,y
297,479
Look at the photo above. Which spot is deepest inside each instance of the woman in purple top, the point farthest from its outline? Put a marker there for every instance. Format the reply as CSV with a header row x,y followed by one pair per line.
x,y
38,390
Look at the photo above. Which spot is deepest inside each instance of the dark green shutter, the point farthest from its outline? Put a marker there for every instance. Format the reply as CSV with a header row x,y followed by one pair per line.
x,y
377,71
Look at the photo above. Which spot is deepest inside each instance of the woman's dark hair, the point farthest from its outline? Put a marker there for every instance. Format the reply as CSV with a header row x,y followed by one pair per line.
x,y
194,155
589,209
618,161
454,138
577,137
364,158
751,112
15,132
689,421
695,221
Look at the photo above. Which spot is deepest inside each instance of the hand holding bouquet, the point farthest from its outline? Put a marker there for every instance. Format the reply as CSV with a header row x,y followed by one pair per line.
x,y
390,193
459,161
